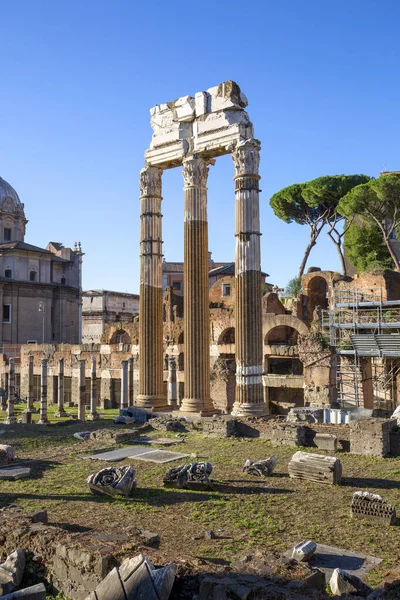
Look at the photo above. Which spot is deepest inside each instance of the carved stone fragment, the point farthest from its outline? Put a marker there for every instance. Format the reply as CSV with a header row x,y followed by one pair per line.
x,y
260,467
304,551
342,582
113,481
136,579
11,571
315,467
6,454
192,476
365,505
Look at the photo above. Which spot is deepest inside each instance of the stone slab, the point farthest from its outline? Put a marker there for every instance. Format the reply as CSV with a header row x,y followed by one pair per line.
x,y
159,456
120,453
160,441
329,558
13,473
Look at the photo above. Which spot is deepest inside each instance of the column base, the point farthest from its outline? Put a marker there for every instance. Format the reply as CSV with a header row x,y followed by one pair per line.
x,y
10,420
249,410
94,416
172,404
61,413
201,408
43,422
152,403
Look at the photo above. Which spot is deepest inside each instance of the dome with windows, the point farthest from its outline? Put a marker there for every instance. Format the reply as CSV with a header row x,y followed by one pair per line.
x,y
12,216
8,193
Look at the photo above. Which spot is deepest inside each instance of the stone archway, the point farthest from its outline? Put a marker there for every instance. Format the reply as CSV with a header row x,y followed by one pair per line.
x,y
120,336
227,336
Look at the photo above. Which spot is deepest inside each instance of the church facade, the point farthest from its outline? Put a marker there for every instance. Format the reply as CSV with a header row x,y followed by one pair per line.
x,y
40,288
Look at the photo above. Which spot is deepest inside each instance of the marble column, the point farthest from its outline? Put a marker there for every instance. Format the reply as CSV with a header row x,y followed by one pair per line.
x,y
124,384
151,395
172,385
60,390
82,390
30,382
93,415
43,420
248,313
10,419
130,382
196,308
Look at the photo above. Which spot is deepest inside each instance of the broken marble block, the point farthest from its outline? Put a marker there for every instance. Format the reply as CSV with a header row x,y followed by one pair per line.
x,y
342,582
194,476
11,571
113,481
365,505
315,467
304,551
34,592
260,467
136,579
6,454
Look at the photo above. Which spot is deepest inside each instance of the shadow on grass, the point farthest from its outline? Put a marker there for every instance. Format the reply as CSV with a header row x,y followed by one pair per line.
x,y
360,482
247,489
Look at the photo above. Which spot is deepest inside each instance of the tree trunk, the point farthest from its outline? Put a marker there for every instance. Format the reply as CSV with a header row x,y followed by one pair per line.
x,y
306,255
392,254
340,252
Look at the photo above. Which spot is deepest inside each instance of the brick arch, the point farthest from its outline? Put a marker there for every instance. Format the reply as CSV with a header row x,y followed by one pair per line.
x,y
227,336
285,321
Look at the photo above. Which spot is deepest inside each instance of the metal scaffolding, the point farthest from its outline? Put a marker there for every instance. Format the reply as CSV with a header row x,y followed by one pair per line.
x,y
362,324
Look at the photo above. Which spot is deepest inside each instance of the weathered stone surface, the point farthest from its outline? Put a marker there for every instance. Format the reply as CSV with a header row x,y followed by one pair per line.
x,y
113,481
40,516
149,538
326,441
82,435
136,579
344,583
365,505
192,476
221,427
371,437
118,437
13,473
168,423
11,571
260,467
315,467
306,414
34,592
6,454
304,551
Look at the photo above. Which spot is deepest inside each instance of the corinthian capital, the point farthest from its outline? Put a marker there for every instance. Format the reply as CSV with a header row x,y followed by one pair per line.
x,y
150,181
195,172
246,157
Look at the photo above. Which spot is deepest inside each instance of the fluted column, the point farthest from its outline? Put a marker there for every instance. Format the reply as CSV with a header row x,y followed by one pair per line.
x,y
43,420
82,390
124,384
60,390
10,419
248,313
93,414
196,309
150,309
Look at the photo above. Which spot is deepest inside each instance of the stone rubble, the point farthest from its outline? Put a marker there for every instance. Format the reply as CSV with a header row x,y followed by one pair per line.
x,y
260,468
136,579
304,551
34,592
11,571
113,481
6,455
315,467
342,582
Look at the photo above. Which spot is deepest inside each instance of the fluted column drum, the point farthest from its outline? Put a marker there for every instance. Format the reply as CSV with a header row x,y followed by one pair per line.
x,y
248,311
196,301
150,308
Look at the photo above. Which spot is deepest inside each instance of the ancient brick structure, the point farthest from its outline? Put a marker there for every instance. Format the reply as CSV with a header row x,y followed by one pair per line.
x,y
371,437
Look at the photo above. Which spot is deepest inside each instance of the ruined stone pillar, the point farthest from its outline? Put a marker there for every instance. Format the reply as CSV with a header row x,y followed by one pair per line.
x,y
30,382
60,390
196,310
82,390
130,382
150,309
43,420
10,419
172,386
93,415
124,384
248,316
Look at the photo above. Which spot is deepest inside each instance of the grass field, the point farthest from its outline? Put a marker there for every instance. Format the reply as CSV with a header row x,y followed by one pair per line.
x,y
245,512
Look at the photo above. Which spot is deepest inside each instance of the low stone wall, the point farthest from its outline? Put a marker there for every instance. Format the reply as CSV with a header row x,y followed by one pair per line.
x,y
371,437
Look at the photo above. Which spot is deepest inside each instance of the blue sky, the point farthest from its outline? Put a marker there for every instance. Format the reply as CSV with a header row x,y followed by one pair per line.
x,y
78,79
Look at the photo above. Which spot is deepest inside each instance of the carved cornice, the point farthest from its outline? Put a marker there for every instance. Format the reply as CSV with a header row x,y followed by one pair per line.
x,y
195,172
246,157
150,181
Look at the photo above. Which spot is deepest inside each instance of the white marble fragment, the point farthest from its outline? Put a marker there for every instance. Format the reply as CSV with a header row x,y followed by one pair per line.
x,y
304,551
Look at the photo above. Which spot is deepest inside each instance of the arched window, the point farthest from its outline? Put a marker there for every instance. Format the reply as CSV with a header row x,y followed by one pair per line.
x,y
63,283
32,275
8,273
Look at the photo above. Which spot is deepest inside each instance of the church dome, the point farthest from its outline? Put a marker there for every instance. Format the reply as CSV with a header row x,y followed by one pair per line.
x,y
8,192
